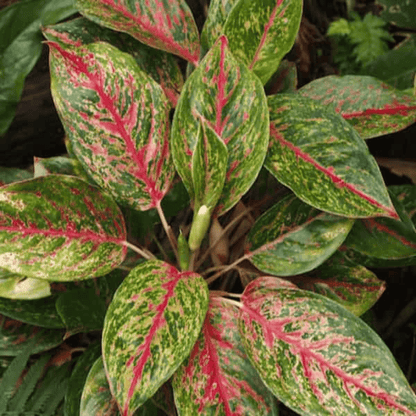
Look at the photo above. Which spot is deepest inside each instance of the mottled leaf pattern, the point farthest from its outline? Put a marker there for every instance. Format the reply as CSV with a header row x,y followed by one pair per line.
x,y
318,358
314,152
9,175
15,286
231,101
371,106
96,396
400,12
150,328
165,24
161,66
292,237
261,32
406,195
217,378
59,228
117,119
209,167
214,24
346,282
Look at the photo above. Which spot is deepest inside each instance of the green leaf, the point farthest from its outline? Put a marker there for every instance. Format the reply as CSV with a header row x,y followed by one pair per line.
x,y
40,312
372,107
77,380
150,328
117,119
346,282
261,32
15,335
217,377
81,310
406,195
167,25
10,175
161,66
228,98
293,237
16,286
314,152
60,165
318,358
21,46
402,13
59,228
402,74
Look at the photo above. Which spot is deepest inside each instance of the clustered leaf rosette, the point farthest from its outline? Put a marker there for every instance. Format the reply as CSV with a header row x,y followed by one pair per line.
x,y
115,84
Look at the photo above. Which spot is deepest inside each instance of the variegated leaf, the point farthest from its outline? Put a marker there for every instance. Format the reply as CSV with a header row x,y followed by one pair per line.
x,y
117,119
318,155
346,282
59,228
16,286
166,24
292,237
317,357
209,166
96,399
161,66
231,101
150,328
214,24
261,32
372,107
217,378
406,195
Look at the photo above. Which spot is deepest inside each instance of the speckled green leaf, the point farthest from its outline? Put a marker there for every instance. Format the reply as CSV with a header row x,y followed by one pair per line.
x,y
372,107
150,328
82,310
402,13
231,101
261,32
292,237
209,166
15,335
78,377
117,119
59,228
214,24
96,398
317,357
346,282
161,66
318,155
16,286
9,175
406,195
217,378
165,24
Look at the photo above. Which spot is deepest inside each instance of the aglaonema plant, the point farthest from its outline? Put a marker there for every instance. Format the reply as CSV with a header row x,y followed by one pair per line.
x,y
290,331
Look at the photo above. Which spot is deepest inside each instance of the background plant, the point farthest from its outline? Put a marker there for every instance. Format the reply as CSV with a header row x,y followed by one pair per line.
x,y
72,239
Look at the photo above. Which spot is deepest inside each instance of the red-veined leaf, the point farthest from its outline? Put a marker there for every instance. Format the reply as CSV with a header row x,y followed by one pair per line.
x,y
161,66
59,228
150,328
117,119
372,107
292,237
346,282
165,24
314,152
317,357
261,32
231,101
217,378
